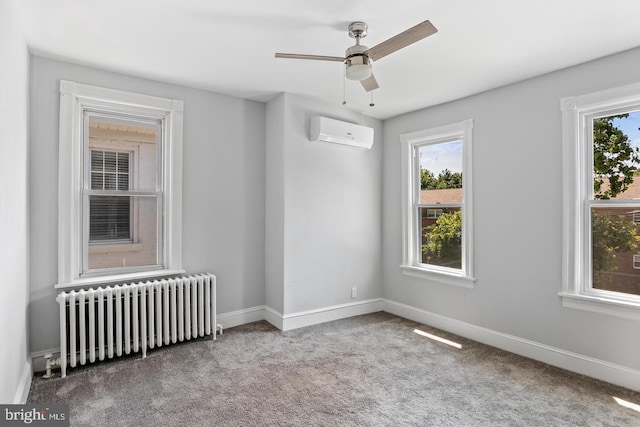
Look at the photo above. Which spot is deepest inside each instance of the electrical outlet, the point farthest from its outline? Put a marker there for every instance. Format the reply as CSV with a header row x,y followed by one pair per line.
x,y
354,292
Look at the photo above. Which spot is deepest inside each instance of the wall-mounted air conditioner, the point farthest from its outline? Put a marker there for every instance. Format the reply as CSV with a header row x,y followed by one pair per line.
x,y
339,132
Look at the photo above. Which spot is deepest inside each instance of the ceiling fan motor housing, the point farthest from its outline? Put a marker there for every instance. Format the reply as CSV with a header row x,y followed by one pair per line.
x,y
357,63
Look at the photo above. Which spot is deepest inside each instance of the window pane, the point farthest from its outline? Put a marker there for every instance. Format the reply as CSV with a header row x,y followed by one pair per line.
x,y
97,181
123,182
97,170
615,244
616,158
109,218
110,161
123,231
110,170
441,187
441,165
97,160
441,236
110,181
120,146
122,162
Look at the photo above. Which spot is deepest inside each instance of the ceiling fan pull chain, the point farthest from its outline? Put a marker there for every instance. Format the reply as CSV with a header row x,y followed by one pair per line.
x,y
344,80
371,104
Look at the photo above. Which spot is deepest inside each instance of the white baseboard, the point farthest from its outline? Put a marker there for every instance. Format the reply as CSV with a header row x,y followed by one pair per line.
x,y
287,322
595,368
327,314
241,317
24,384
274,317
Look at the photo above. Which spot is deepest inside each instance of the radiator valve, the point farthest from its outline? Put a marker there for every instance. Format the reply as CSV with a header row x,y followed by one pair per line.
x,y
50,363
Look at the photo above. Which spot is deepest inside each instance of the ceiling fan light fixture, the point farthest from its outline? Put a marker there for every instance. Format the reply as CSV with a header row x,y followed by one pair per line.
x,y
358,71
358,63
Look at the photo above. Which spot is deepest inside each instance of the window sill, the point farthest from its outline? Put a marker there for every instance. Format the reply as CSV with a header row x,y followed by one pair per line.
x,y
117,278
612,307
439,276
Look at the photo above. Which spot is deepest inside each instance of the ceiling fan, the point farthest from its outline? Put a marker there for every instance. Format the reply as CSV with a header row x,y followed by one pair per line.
x,y
358,58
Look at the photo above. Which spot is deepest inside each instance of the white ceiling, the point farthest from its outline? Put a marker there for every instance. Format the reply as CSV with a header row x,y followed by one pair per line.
x,y
228,46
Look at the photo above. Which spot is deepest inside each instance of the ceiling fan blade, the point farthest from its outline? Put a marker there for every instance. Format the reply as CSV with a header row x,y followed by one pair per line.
x,y
369,83
404,39
315,57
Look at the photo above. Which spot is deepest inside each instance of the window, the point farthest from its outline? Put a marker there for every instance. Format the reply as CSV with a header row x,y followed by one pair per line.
x,y
109,216
434,213
602,200
120,167
636,261
123,187
437,205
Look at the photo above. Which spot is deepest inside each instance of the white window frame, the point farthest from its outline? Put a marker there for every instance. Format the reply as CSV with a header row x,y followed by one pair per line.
x,y
636,262
577,140
411,238
433,213
75,98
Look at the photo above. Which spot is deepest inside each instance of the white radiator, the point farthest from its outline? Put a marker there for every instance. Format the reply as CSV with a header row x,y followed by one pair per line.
x,y
112,321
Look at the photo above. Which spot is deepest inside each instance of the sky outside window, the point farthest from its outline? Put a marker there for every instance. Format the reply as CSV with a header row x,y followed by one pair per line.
x,y
629,126
446,155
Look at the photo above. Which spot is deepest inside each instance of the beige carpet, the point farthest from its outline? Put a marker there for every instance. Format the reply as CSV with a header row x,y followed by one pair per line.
x,y
371,370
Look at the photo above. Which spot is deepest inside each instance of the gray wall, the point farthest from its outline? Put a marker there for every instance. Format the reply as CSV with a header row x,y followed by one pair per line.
x,y
223,189
325,201
517,173
274,205
14,209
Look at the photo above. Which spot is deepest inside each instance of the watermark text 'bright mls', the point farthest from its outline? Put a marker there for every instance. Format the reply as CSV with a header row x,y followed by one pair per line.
x,y
37,415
